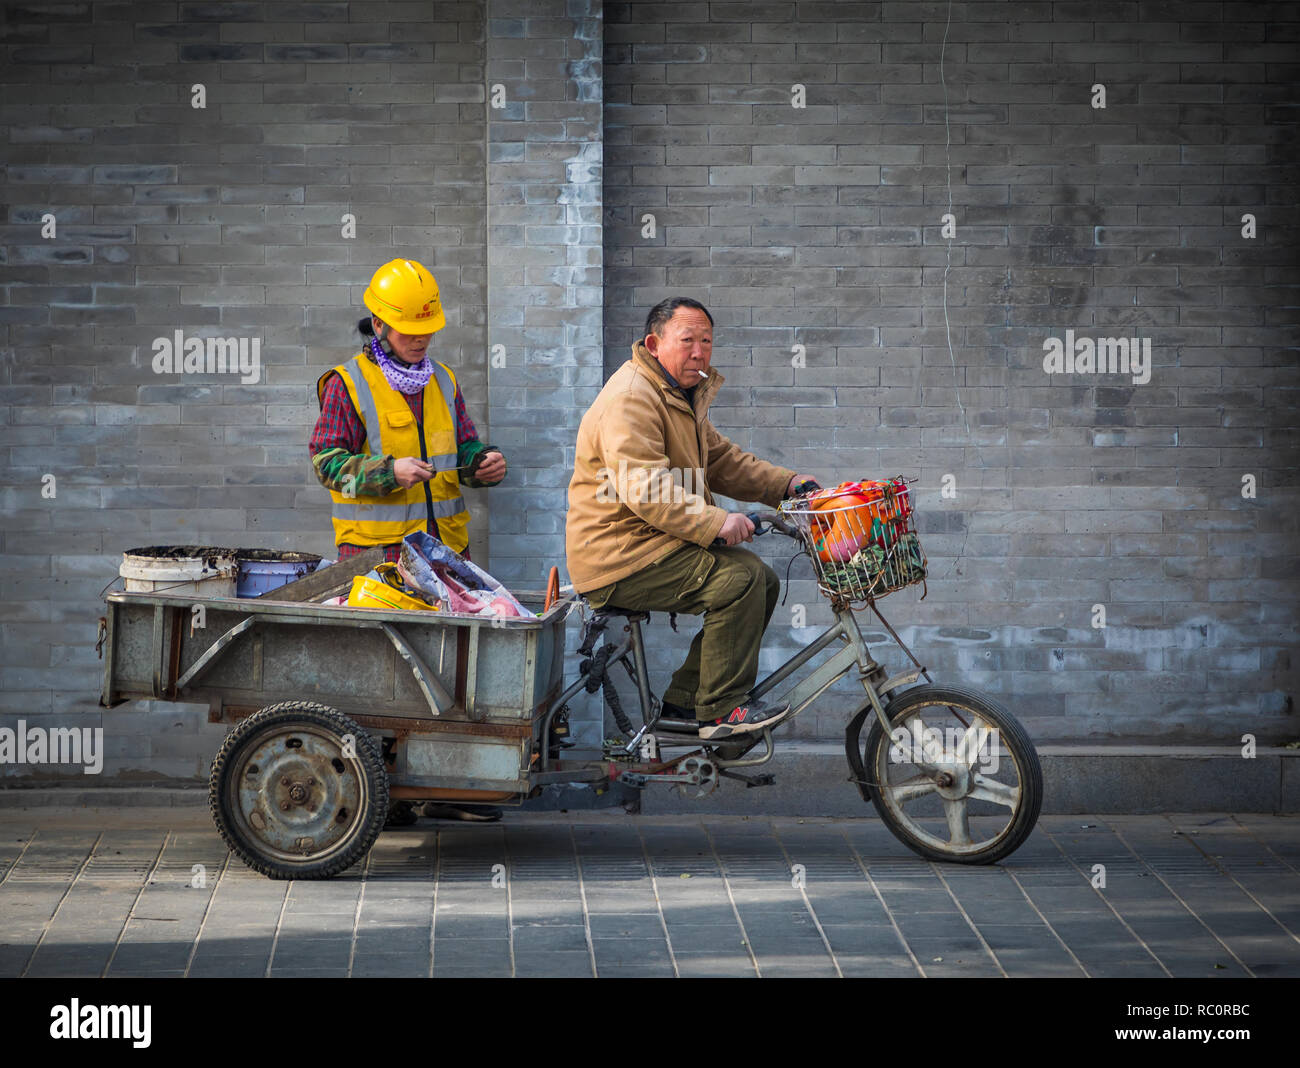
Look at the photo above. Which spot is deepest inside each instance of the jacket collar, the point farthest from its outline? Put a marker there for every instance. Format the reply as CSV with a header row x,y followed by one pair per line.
x,y
654,370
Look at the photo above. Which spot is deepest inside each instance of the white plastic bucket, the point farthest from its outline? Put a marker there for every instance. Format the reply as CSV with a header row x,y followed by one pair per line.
x,y
180,569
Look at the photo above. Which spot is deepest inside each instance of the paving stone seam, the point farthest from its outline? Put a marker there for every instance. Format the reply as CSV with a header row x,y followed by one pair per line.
x,y
582,895
893,922
1280,858
18,859
356,915
130,913
1106,901
279,924
212,896
726,885
45,929
433,911
1223,870
659,904
803,892
510,905
969,922
1048,924
1178,897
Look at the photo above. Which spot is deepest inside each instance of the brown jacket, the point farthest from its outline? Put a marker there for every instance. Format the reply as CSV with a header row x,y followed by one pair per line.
x,y
643,470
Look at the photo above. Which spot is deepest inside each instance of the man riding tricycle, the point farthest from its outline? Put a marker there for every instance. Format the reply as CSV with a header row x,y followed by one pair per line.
x,y
644,534
339,708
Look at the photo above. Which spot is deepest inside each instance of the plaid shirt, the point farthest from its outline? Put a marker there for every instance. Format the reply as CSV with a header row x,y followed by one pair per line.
x,y
335,450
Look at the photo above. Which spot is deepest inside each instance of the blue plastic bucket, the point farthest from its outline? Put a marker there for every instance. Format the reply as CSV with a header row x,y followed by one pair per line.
x,y
263,570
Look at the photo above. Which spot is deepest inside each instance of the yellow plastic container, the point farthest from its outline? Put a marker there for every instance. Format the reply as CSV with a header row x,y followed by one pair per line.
x,y
372,593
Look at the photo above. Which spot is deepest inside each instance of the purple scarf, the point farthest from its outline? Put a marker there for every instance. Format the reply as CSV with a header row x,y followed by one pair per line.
x,y
404,377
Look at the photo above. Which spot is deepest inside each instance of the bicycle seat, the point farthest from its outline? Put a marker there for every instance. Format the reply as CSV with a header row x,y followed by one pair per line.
x,y
608,610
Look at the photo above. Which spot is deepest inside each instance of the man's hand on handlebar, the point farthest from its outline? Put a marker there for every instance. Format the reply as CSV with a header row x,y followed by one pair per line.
x,y
735,529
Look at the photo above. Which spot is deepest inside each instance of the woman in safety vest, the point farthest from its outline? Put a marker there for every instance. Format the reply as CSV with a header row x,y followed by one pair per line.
x,y
394,443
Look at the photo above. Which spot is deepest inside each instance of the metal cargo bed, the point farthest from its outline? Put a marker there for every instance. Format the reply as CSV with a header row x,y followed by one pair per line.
x,y
465,695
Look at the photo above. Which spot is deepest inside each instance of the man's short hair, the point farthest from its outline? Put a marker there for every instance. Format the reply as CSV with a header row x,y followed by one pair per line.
x,y
664,310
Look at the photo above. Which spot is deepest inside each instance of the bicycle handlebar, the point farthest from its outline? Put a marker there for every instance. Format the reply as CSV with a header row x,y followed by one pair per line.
x,y
773,521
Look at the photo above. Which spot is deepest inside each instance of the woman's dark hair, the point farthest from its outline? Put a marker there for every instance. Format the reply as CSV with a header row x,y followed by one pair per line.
x,y
366,328
663,311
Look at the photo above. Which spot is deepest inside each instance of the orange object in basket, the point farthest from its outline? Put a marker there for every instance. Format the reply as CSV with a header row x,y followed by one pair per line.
x,y
851,511
844,526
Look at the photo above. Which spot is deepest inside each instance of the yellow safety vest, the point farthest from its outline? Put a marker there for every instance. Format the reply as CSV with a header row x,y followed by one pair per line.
x,y
386,520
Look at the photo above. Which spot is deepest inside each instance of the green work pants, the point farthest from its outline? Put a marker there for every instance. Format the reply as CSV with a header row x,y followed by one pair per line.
x,y
735,592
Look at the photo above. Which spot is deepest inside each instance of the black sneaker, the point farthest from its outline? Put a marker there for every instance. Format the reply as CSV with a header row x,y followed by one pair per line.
x,y
677,720
668,710
744,719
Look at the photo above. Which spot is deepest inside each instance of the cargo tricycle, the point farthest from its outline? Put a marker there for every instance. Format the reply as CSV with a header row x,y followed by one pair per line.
x,y
335,710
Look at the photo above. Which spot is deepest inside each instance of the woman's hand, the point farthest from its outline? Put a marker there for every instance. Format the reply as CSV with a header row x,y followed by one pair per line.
x,y
410,469
492,469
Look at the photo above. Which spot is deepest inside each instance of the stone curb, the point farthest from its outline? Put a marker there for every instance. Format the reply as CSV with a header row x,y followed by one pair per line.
x,y
812,779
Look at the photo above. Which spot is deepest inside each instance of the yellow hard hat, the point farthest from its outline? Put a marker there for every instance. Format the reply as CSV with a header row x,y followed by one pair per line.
x,y
404,295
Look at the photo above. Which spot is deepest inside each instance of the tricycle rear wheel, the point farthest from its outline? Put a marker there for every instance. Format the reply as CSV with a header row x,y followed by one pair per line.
x,y
298,791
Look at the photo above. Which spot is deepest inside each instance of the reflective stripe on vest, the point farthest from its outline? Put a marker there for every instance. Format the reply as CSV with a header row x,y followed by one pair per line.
x,y
415,511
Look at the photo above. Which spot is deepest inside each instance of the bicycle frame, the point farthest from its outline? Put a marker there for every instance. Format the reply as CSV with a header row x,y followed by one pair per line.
x,y
702,763
854,654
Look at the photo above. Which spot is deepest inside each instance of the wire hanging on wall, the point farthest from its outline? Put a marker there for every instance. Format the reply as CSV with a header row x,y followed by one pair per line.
x,y
947,326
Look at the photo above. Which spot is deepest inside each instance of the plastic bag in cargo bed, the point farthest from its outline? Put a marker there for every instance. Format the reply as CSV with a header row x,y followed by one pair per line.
x,y
458,585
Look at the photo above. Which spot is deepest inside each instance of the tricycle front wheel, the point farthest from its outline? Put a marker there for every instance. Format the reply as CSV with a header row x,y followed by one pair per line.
x,y
956,779
298,791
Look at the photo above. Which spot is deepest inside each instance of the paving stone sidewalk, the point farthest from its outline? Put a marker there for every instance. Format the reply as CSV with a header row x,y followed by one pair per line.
x,y
108,892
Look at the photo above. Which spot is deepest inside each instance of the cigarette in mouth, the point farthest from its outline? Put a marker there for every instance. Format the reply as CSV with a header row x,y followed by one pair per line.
x,y
703,374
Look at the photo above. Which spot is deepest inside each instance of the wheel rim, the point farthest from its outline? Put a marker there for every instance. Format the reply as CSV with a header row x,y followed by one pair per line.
x,y
297,796
950,780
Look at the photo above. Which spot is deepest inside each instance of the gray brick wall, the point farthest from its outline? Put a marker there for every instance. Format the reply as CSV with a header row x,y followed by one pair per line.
x,y
818,226
544,278
544,263
821,226
221,221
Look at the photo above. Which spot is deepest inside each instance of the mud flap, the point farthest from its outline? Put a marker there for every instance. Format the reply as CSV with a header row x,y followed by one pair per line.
x,y
853,750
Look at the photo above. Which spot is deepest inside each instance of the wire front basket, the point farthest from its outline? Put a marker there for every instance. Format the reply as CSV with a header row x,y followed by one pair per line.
x,y
860,537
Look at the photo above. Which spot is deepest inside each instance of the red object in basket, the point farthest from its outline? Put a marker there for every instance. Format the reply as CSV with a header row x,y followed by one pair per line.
x,y
858,512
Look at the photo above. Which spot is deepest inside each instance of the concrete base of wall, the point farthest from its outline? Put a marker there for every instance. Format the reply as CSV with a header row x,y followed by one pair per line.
x,y
812,779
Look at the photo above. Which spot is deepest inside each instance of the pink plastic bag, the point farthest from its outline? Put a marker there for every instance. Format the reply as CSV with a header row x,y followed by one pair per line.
x,y
461,586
